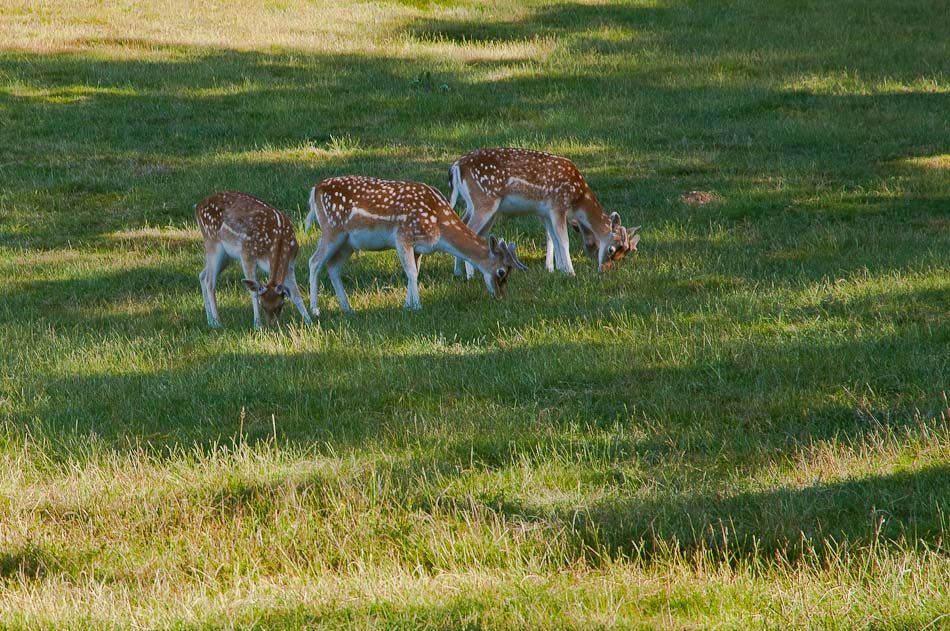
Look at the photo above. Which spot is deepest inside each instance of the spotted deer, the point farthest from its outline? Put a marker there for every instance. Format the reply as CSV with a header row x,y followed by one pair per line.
x,y
238,226
522,181
363,213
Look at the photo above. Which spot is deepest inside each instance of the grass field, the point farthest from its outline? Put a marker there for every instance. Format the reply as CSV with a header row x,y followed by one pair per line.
x,y
744,425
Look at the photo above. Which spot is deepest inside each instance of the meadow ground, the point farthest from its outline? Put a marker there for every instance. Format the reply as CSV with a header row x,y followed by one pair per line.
x,y
746,425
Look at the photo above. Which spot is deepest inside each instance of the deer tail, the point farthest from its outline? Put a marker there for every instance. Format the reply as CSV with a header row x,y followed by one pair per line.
x,y
312,215
455,183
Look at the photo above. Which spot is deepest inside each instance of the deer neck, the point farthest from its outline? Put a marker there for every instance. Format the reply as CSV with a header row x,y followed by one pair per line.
x,y
459,241
279,259
590,214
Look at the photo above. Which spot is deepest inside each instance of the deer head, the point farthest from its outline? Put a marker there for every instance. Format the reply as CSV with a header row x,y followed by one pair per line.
x,y
614,247
272,298
502,259
617,244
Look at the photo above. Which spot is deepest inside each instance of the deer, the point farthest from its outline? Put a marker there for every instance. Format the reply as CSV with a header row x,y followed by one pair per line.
x,y
364,213
512,181
238,226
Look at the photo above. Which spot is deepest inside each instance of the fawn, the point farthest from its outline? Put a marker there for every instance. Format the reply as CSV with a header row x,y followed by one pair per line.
x,y
522,181
239,226
363,213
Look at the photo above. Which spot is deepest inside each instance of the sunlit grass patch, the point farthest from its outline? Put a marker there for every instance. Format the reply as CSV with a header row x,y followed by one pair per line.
x,y
66,95
171,235
936,163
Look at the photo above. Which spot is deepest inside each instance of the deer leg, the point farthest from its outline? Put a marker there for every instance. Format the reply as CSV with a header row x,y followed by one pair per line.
x,y
202,279
552,239
215,261
334,269
250,273
466,219
480,224
290,282
548,250
408,259
561,244
325,249
418,262
213,321
479,210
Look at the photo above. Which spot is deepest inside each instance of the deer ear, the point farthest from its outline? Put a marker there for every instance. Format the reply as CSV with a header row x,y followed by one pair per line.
x,y
614,220
574,224
492,243
251,285
632,243
518,265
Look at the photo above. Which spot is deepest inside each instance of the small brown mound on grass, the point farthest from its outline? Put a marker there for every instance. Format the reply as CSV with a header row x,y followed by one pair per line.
x,y
697,198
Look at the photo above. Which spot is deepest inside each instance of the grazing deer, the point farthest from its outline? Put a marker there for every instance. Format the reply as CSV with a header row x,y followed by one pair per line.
x,y
238,226
363,213
521,181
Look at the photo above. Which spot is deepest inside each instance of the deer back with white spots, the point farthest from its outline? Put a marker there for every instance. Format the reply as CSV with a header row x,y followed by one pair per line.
x,y
363,213
512,181
239,226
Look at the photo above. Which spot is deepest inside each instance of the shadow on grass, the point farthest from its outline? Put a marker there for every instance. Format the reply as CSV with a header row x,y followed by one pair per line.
x,y
823,521
112,144
753,403
480,414
26,563
556,20
786,30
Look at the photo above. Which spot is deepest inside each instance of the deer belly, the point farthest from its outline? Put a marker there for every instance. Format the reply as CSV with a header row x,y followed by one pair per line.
x,y
423,247
232,248
371,239
518,205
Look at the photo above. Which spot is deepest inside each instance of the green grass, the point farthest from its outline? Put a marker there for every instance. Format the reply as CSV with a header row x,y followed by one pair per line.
x,y
744,425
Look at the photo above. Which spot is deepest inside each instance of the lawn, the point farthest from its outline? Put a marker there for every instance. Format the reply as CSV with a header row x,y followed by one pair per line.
x,y
745,425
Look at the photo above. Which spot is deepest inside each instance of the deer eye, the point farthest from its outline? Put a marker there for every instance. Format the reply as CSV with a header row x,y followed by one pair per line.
x,y
611,250
501,272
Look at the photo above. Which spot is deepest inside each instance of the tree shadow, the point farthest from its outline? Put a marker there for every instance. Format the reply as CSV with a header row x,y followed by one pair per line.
x,y
807,34
699,426
683,125
25,563
927,306
555,20
499,401
212,119
821,521
273,123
